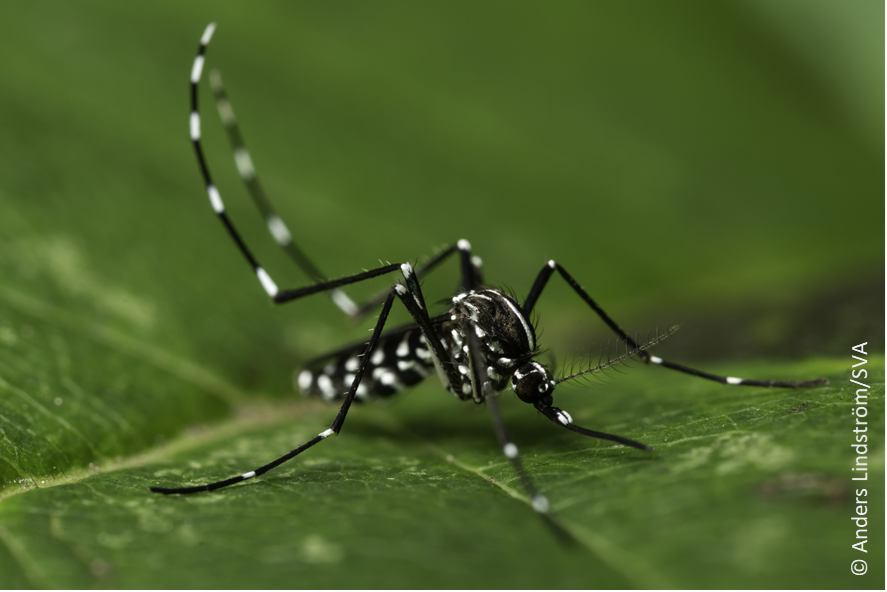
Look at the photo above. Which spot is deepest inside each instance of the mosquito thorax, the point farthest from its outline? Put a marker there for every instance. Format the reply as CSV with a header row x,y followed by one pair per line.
x,y
499,322
506,338
532,383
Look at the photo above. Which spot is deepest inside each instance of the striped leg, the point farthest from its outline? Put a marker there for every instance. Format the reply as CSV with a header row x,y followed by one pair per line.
x,y
334,429
278,229
480,382
276,226
411,296
549,269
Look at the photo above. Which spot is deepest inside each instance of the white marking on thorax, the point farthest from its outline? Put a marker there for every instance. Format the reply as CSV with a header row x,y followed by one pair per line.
x,y
733,380
473,312
530,340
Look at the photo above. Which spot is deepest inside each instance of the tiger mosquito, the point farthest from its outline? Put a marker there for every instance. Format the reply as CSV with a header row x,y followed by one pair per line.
x,y
482,345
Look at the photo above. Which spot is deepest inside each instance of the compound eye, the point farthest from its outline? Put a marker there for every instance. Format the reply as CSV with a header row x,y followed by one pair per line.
x,y
532,383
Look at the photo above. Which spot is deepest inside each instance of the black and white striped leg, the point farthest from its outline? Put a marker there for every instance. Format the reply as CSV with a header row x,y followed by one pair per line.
x,y
552,266
275,224
471,275
245,167
480,382
278,296
249,475
214,198
335,428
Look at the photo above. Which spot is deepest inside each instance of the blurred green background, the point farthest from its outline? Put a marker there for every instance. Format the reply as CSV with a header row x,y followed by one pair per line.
x,y
718,165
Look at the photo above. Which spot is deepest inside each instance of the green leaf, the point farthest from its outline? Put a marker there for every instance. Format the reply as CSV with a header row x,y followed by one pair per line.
x,y
743,488
705,163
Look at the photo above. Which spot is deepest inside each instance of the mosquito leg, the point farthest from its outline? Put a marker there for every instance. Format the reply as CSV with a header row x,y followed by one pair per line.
x,y
334,428
276,226
480,382
552,266
470,266
538,501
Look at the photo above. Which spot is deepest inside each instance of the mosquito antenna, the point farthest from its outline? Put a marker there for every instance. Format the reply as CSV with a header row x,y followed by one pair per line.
x,y
658,338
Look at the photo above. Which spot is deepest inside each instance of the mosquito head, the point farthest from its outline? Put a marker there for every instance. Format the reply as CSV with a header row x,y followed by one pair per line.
x,y
533,384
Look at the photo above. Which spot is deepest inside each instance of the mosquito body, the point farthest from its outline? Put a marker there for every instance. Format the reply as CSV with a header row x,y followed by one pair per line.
x,y
402,357
484,344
